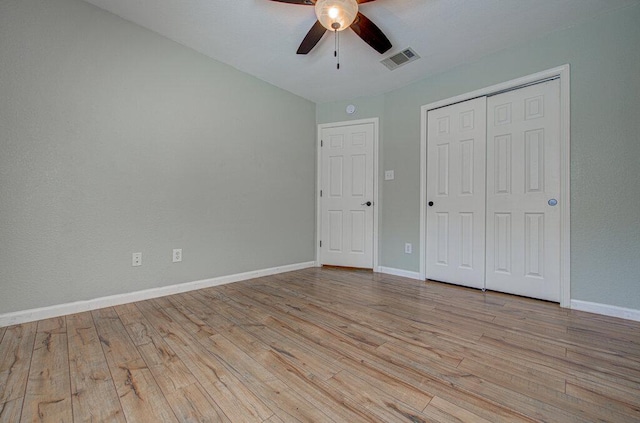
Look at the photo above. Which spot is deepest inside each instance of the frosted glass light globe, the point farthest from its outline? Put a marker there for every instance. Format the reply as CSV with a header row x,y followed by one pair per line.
x,y
336,14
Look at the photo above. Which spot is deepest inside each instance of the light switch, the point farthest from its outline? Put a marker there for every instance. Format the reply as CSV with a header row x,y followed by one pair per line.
x,y
388,175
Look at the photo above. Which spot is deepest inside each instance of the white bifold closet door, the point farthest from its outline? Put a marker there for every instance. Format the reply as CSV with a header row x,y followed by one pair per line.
x,y
493,186
523,188
456,193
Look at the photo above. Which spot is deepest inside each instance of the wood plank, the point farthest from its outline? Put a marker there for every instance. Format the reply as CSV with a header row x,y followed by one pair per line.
x,y
124,309
524,370
258,375
368,363
620,403
237,335
305,383
91,381
377,319
527,341
333,345
399,370
184,394
48,394
276,395
572,369
16,349
137,327
234,398
617,394
542,393
303,358
286,404
620,367
439,384
442,410
274,419
165,365
492,386
190,321
203,310
192,404
140,396
10,411
386,407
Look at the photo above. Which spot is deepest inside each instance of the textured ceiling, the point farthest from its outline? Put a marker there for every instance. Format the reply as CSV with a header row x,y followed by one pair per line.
x,y
260,37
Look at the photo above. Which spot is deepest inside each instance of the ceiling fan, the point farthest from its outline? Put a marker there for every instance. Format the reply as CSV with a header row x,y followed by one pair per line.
x,y
338,15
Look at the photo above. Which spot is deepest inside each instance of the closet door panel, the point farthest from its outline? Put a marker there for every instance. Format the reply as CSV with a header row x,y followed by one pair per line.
x,y
523,188
456,145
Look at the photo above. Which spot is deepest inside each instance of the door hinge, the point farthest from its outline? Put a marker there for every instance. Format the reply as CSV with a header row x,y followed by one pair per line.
x,y
321,244
321,143
320,193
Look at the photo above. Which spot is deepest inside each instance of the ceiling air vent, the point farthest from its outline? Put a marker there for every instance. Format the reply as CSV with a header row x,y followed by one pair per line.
x,y
405,56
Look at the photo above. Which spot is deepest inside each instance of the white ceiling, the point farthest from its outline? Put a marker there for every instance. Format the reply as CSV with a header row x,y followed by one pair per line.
x,y
260,37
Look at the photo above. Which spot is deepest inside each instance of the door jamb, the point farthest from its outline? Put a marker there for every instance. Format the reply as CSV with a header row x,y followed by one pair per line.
x,y
376,203
563,73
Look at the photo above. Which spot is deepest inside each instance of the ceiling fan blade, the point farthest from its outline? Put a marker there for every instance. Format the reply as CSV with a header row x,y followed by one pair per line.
x,y
363,1
311,39
303,2
370,33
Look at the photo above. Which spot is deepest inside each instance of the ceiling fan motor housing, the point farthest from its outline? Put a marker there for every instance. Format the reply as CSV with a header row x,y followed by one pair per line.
x,y
336,15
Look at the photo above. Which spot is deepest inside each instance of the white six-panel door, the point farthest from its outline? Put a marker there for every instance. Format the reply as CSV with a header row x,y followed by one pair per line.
x,y
493,192
347,157
456,193
523,191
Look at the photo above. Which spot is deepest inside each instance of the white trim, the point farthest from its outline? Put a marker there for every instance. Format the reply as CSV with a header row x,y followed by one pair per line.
x,y
565,186
34,314
563,73
423,192
400,272
376,203
606,310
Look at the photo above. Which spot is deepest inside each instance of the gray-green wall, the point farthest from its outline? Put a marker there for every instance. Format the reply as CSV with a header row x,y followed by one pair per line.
x,y
115,140
605,148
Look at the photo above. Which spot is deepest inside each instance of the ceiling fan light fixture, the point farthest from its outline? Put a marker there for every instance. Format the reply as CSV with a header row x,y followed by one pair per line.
x,y
336,15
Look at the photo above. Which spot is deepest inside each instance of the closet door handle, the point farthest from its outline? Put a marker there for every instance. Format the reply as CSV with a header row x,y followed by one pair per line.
x,y
430,203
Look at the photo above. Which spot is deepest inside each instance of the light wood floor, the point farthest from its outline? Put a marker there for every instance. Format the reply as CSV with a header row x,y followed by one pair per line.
x,y
323,345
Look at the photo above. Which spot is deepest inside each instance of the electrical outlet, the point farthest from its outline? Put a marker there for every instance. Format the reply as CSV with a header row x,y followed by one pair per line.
x,y
389,175
408,248
136,259
177,255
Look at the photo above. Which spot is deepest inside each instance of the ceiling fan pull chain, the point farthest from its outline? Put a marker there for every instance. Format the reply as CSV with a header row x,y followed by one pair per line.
x,y
336,51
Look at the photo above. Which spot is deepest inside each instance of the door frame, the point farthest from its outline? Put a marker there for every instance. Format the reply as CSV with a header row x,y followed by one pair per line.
x,y
561,72
376,203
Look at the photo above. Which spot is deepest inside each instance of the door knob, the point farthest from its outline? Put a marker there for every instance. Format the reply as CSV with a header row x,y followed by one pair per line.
x,y
368,204
552,202
430,203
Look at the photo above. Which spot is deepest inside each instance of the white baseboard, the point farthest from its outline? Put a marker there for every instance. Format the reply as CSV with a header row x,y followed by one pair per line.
x,y
31,315
400,272
607,310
